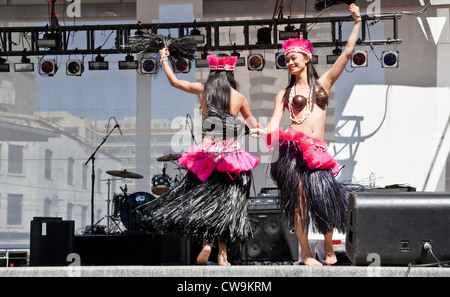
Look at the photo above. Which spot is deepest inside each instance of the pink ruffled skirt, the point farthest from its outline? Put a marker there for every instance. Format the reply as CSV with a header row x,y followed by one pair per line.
x,y
223,156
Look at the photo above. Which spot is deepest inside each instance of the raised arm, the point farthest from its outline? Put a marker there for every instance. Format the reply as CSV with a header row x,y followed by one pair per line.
x,y
186,86
328,79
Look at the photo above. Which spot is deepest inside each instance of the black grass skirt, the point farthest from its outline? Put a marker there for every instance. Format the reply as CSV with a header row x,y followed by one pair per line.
x,y
323,200
206,210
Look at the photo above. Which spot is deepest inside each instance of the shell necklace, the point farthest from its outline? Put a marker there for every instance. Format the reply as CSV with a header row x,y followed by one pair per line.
x,y
308,106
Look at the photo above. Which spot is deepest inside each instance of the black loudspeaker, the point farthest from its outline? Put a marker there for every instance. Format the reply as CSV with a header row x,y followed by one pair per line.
x,y
391,229
272,239
51,241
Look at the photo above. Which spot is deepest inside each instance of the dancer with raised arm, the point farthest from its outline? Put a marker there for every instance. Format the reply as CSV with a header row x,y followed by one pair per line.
x,y
211,203
303,170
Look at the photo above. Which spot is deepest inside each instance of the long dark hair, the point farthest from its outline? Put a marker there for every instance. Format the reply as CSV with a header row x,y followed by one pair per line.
x,y
312,79
217,89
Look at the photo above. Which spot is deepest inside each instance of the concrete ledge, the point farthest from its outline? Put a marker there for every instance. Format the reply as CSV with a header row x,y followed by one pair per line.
x,y
217,271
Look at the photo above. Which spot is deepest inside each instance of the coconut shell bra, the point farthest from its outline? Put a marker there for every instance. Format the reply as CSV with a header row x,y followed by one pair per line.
x,y
299,102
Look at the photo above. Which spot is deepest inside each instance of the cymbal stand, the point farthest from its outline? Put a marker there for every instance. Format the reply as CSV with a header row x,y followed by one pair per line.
x,y
108,203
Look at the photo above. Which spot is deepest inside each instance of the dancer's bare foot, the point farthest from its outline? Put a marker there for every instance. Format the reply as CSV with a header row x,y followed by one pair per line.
x,y
222,261
309,260
203,256
222,254
330,256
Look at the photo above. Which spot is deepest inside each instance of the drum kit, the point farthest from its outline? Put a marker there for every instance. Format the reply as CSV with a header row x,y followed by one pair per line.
x,y
133,210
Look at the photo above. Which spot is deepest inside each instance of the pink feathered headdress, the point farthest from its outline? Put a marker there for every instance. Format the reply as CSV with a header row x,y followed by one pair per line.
x,y
223,63
298,45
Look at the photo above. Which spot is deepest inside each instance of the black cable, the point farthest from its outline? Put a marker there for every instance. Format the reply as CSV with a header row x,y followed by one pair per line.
x,y
427,246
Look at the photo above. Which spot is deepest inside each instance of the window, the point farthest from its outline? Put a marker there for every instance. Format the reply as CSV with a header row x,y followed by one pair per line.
x,y
47,207
70,168
14,212
99,182
85,177
15,159
48,164
69,211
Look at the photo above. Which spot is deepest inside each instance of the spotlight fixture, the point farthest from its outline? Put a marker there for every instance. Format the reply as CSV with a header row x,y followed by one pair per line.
x,y
148,65
182,66
47,67
331,59
255,62
289,32
25,65
264,36
99,63
3,66
196,36
280,60
129,63
74,68
50,40
390,59
201,63
359,59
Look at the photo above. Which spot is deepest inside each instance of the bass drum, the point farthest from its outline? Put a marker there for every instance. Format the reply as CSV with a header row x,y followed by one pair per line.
x,y
135,212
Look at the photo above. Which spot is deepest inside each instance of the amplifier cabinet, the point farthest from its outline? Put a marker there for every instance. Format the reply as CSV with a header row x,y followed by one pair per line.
x,y
393,227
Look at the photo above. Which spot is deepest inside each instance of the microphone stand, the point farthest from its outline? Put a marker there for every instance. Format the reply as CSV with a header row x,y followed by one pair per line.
x,y
92,158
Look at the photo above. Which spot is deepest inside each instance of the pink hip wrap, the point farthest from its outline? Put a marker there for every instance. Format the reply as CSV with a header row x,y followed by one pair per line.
x,y
314,151
224,156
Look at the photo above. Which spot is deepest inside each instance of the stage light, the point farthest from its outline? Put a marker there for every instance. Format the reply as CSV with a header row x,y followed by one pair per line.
x,y
99,63
264,36
390,59
47,67
331,59
280,60
50,40
255,62
289,32
74,68
129,63
3,66
25,65
359,59
148,65
182,66
196,36
201,63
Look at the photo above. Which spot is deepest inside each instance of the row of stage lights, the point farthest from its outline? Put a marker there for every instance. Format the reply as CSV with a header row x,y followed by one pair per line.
x,y
149,65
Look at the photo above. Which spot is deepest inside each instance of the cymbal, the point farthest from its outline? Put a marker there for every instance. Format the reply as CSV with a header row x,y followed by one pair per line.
x,y
168,158
124,174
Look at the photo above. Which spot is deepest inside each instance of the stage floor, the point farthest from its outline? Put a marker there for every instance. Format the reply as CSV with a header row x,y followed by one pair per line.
x,y
246,271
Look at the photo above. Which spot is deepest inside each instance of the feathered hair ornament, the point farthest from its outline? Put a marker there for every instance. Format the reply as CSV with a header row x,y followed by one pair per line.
x,y
222,63
179,48
298,45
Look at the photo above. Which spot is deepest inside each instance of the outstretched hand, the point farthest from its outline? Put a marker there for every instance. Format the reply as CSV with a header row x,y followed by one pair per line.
x,y
356,14
164,53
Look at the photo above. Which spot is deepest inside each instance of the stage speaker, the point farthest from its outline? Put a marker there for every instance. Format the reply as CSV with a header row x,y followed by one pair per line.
x,y
272,239
391,229
51,241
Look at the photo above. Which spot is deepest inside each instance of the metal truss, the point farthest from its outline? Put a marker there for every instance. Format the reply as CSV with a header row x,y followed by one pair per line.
x,y
121,33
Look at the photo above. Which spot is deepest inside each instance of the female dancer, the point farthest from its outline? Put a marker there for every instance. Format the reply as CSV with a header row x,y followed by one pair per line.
x,y
212,201
303,170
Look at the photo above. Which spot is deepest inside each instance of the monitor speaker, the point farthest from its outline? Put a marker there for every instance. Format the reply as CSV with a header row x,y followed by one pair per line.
x,y
272,238
51,241
392,228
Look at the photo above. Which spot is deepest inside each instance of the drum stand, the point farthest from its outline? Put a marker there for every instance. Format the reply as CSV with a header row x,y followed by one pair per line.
x,y
108,215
